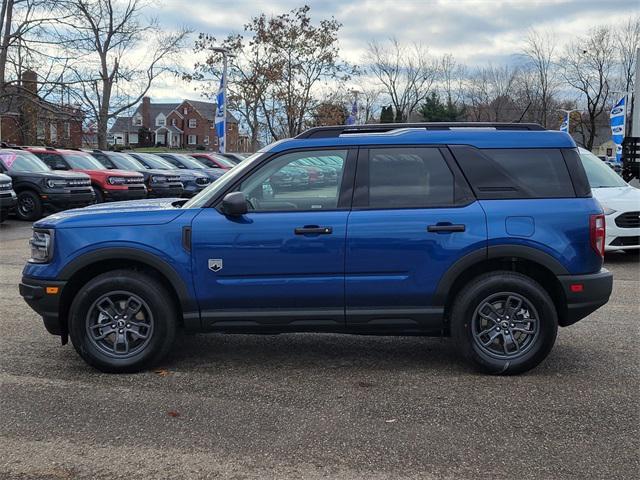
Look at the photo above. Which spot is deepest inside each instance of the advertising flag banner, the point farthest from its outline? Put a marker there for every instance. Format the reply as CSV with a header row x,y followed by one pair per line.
x,y
220,121
617,118
351,119
564,126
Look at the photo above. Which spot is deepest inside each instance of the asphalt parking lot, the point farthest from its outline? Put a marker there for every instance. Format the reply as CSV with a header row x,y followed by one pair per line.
x,y
319,406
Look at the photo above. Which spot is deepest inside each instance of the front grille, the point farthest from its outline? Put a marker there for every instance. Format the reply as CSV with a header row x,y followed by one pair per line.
x,y
628,220
173,179
81,182
131,180
5,186
625,241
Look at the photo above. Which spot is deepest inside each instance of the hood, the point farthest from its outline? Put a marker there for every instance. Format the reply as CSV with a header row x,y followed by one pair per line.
x,y
156,211
618,198
63,174
111,173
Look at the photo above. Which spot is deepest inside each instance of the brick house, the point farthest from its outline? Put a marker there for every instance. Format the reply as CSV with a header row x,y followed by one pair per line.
x,y
188,124
27,119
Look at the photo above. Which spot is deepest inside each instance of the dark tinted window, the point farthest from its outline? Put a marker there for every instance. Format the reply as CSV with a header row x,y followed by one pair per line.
x,y
515,173
409,177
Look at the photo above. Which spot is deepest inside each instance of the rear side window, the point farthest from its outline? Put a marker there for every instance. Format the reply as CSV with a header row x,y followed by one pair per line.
x,y
409,178
515,173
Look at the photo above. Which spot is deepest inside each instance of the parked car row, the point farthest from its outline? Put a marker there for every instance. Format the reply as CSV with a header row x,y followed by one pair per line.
x,y
36,181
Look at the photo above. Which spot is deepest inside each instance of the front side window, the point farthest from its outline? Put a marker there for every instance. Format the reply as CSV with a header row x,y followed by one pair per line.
x,y
409,177
287,184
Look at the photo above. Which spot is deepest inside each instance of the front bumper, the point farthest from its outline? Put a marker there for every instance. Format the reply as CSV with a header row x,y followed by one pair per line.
x,y
8,201
67,200
191,189
38,295
135,193
165,191
584,294
620,238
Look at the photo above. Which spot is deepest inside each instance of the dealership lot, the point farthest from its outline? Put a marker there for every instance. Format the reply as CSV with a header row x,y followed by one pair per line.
x,y
319,406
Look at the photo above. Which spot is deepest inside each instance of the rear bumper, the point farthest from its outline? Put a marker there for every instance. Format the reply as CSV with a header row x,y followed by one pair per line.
x,y
47,305
584,294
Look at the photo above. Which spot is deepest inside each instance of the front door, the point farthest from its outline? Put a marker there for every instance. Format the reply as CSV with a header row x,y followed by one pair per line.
x,y
412,219
282,264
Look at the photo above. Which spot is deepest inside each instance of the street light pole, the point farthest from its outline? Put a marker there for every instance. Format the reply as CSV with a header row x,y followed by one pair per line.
x,y
568,114
225,54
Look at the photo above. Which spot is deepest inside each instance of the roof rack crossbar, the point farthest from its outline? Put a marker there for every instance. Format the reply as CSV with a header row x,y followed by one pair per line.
x,y
337,130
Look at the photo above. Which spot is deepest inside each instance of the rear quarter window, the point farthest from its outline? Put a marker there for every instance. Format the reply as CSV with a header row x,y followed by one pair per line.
x,y
515,173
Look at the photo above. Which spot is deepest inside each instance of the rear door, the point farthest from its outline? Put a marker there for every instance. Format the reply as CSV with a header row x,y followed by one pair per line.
x,y
413,216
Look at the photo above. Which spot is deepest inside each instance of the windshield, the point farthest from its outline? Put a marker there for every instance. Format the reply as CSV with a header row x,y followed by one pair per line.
x,y
599,174
125,162
189,162
83,161
149,160
22,162
212,190
223,161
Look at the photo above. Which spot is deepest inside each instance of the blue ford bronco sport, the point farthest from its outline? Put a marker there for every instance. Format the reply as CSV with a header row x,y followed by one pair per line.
x,y
483,232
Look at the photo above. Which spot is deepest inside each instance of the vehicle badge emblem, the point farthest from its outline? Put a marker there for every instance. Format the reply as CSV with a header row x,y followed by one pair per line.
x,y
215,264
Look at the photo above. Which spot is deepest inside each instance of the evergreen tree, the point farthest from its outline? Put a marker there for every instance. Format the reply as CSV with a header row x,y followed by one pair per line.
x,y
386,116
434,110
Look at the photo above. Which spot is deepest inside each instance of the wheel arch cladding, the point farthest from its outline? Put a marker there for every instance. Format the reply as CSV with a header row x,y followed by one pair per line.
x,y
87,266
540,266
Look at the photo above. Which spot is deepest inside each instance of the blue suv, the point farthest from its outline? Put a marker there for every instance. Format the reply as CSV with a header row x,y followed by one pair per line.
x,y
487,233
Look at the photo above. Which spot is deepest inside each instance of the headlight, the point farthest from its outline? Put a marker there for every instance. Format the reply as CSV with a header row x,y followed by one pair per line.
x,y
202,180
609,211
41,246
5,186
158,179
116,180
52,183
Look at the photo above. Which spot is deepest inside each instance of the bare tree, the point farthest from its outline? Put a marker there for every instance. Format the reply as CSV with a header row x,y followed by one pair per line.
x,y
588,65
112,77
539,52
489,94
406,74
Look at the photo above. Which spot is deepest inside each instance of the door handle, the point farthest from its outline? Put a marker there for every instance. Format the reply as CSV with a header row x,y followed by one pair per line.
x,y
313,230
446,228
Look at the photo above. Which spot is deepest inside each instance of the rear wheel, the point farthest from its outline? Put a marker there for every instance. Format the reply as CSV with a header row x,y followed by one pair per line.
x,y
122,321
504,323
29,206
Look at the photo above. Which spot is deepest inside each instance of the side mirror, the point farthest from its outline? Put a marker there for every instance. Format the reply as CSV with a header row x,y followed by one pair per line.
x,y
234,204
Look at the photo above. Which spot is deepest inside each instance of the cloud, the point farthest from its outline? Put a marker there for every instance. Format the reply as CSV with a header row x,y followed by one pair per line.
x,y
474,31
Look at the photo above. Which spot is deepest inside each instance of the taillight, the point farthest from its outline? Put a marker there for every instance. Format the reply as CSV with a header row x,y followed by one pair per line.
x,y
597,233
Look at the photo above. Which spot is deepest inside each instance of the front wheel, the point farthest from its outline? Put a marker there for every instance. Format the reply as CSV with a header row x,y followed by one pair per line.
x,y
504,323
29,206
122,321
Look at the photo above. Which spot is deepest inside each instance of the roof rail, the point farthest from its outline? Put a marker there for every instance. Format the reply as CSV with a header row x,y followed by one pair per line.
x,y
337,130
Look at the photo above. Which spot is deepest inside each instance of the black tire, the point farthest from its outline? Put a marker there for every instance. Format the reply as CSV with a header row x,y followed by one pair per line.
x,y
4,214
99,195
487,291
156,309
29,206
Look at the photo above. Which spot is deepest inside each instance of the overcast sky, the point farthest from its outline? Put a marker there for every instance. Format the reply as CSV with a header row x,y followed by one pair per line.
x,y
474,31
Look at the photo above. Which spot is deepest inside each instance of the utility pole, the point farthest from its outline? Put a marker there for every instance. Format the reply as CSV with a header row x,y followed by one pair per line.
x,y
635,109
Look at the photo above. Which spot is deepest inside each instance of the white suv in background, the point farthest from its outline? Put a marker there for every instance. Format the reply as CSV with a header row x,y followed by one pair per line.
x,y
620,201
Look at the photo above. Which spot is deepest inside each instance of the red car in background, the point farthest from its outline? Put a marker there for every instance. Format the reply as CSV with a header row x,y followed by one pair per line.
x,y
213,160
108,185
